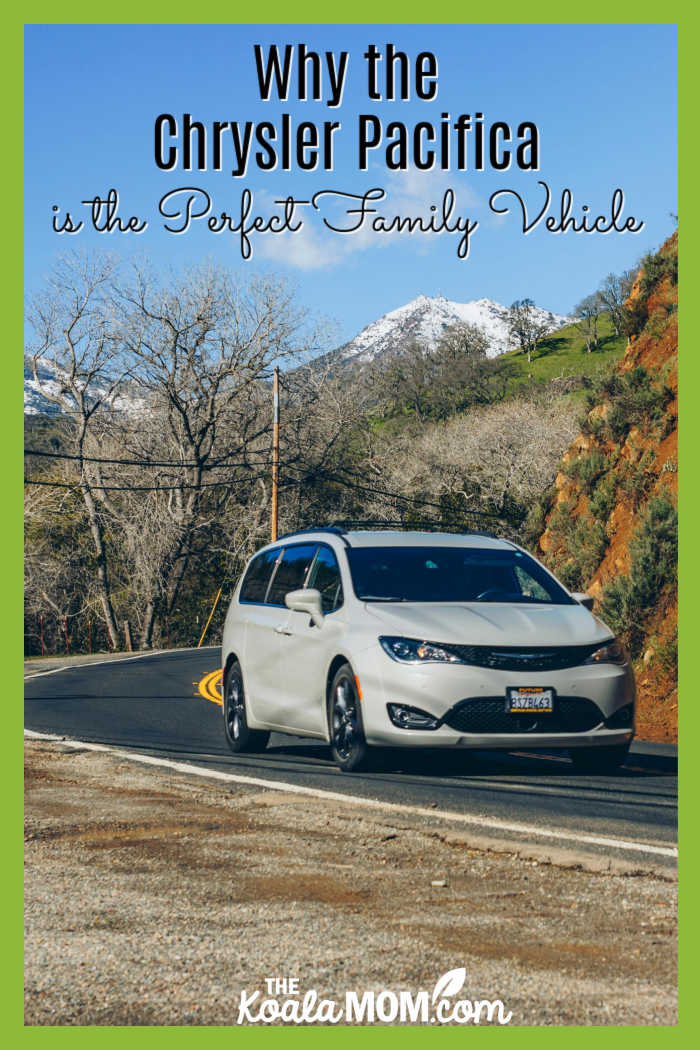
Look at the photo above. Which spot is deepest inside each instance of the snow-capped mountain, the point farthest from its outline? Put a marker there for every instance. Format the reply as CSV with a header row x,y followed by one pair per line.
x,y
424,319
35,400
37,395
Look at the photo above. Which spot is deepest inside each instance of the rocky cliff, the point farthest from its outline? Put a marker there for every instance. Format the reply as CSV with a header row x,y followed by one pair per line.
x,y
611,527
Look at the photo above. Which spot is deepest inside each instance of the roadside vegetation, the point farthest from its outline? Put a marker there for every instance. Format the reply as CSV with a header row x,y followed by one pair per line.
x,y
151,486
610,521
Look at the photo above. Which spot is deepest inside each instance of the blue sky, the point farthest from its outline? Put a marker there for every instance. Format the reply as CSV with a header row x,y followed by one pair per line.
x,y
603,98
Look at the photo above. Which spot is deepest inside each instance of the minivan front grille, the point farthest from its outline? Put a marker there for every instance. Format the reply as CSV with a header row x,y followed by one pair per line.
x,y
523,657
488,714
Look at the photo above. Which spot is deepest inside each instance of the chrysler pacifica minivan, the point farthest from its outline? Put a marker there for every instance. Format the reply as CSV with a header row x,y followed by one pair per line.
x,y
369,639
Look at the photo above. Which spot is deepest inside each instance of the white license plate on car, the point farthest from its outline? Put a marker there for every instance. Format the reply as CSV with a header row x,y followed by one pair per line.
x,y
529,700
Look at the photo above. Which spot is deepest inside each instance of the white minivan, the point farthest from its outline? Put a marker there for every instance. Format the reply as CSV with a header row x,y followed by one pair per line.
x,y
425,640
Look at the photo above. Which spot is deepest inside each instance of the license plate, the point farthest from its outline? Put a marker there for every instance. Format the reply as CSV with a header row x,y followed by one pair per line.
x,y
529,700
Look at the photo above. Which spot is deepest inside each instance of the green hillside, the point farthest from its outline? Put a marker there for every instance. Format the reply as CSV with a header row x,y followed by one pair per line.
x,y
563,355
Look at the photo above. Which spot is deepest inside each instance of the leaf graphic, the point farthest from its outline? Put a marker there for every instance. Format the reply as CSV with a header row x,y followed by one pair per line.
x,y
450,983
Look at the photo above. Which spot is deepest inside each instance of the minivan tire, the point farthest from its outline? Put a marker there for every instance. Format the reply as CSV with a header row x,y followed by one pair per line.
x,y
346,731
239,737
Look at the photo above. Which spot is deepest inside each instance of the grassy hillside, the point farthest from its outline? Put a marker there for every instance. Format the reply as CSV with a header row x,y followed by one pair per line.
x,y
563,355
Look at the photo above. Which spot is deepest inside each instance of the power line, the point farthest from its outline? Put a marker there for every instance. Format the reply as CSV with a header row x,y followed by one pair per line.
x,y
398,496
220,464
140,488
305,476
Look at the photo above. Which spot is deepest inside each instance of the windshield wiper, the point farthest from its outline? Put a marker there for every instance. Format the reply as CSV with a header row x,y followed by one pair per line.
x,y
380,598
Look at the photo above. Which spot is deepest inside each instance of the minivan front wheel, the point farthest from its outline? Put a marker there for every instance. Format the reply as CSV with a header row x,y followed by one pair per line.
x,y
348,744
239,736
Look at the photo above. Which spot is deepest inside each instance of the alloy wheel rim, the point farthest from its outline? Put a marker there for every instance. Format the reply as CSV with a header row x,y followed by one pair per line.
x,y
235,708
345,727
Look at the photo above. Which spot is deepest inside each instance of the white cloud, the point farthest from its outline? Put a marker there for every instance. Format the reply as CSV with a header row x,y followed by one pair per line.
x,y
310,248
409,194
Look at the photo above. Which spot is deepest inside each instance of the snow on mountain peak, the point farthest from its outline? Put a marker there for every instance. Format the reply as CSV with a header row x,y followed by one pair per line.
x,y
425,318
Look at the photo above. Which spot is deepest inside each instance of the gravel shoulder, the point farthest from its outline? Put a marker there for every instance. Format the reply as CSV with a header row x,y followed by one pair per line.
x,y
153,899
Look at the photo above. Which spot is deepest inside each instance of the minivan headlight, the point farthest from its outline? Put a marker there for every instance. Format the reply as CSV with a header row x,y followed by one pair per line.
x,y
613,652
412,651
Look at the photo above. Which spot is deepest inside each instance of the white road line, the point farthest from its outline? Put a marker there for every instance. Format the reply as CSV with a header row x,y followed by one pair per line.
x,y
118,660
367,803
585,793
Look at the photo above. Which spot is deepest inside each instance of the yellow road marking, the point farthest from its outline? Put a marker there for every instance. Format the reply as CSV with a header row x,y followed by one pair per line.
x,y
210,687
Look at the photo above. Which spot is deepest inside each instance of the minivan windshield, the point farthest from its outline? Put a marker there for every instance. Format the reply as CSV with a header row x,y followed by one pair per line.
x,y
451,574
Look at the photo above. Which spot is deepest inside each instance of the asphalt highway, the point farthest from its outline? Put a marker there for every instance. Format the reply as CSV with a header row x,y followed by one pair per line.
x,y
156,705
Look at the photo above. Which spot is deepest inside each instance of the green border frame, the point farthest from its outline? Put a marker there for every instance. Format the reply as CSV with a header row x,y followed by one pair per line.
x,y
364,12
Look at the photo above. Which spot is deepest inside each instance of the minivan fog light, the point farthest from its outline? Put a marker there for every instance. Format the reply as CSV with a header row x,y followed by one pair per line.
x,y
622,718
411,717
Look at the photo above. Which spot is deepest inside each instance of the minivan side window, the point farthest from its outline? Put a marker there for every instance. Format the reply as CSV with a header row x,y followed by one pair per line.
x,y
291,571
325,577
257,578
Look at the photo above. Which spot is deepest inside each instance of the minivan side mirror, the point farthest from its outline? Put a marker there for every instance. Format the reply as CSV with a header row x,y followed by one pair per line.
x,y
583,599
306,601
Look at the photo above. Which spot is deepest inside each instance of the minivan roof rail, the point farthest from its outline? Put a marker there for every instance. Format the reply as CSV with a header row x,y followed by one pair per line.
x,y
315,528
341,527
415,526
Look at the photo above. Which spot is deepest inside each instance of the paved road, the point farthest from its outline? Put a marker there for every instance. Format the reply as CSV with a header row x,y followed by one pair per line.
x,y
151,704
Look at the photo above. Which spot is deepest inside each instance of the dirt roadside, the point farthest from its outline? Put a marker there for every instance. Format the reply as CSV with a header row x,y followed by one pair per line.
x,y
154,898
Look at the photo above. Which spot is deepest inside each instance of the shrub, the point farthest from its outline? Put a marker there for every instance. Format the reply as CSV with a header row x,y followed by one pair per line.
x,y
586,469
561,521
588,544
582,546
627,601
634,317
658,323
655,268
536,520
666,654
636,401
654,552
637,479
595,426
603,497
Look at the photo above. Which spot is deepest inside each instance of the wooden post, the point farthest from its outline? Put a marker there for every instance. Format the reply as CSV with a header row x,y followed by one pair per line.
x,y
206,626
127,636
41,633
89,636
65,630
167,632
275,450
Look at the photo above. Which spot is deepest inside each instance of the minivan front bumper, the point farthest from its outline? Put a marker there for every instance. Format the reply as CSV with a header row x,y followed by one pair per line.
x,y
445,737
470,705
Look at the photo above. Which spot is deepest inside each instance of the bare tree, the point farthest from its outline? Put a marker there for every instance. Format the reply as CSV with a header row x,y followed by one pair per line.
x,y
614,292
463,372
527,326
202,348
406,380
486,461
587,313
58,569
434,384
73,327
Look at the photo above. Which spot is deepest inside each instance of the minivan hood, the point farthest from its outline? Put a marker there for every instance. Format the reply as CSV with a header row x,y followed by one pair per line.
x,y
489,623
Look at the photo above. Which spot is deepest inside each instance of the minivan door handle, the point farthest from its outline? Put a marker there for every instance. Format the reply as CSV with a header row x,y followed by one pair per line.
x,y
282,629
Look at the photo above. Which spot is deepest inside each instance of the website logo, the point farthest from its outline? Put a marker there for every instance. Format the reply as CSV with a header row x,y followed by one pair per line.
x,y
284,1002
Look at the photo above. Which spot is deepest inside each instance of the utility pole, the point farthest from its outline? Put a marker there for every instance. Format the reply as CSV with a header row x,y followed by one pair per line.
x,y
275,449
